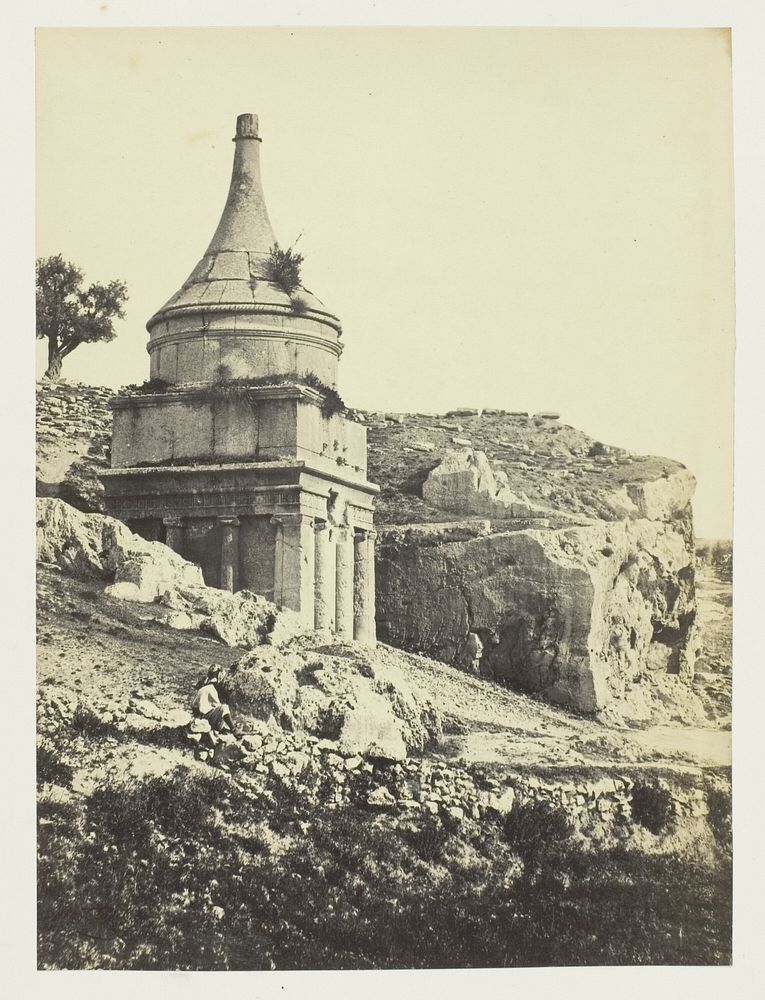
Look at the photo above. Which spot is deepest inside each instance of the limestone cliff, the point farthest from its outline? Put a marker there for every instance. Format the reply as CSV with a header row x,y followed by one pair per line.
x,y
577,614
586,598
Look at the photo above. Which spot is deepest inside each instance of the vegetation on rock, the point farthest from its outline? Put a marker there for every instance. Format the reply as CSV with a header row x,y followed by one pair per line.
x,y
226,386
652,806
283,268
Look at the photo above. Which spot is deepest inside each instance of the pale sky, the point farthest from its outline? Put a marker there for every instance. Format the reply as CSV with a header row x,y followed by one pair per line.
x,y
520,218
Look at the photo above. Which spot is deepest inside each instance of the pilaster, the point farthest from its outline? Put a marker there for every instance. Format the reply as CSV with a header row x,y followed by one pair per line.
x,y
344,583
324,575
175,533
364,629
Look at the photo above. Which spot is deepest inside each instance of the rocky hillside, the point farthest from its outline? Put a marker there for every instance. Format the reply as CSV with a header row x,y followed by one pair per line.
x,y
550,463
517,547
553,562
73,441
371,791
368,790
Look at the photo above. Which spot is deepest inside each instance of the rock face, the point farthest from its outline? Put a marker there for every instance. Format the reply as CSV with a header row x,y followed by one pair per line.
x,y
92,545
465,483
97,546
338,694
578,614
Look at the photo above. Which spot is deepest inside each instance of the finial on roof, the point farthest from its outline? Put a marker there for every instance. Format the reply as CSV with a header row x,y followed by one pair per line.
x,y
246,127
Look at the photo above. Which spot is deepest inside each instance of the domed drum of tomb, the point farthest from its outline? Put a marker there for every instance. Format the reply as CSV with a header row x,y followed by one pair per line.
x,y
238,452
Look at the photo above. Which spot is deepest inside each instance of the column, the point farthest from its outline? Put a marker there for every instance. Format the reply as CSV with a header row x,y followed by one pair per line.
x,y
175,534
324,575
360,587
229,553
344,583
371,598
294,564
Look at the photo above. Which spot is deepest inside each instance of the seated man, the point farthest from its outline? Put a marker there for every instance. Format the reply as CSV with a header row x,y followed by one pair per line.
x,y
207,704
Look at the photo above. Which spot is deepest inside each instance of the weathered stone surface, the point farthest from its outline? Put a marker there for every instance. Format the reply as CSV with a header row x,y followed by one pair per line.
x,y
355,705
503,803
93,545
659,499
381,798
177,717
578,614
146,708
244,619
469,656
433,534
465,483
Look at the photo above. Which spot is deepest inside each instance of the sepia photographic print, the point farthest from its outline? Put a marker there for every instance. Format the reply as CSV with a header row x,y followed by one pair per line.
x,y
384,507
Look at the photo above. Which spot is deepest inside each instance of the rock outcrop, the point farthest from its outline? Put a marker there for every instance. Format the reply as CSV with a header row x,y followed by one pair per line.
x,y
93,545
336,693
73,424
466,483
580,614
101,547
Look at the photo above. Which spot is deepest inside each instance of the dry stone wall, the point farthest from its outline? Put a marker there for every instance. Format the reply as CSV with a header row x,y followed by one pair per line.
x,y
323,771
600,809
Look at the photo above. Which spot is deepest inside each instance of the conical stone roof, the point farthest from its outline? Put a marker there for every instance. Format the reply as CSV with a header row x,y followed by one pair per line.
x,y
229,290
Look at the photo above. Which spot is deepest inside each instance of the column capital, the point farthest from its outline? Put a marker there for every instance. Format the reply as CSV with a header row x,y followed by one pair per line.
x,y
292,519
231,520
364,534
173,521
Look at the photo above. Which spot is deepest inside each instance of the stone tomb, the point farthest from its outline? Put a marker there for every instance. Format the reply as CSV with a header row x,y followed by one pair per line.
x,y
263,485
283,518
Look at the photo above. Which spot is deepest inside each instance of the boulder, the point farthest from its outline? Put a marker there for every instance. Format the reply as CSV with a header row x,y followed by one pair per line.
x,y
244,618
576,614
94,545
352,703
465,483
177,717
381,798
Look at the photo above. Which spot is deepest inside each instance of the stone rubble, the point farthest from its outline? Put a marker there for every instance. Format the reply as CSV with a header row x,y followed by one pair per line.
x,y
600,809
